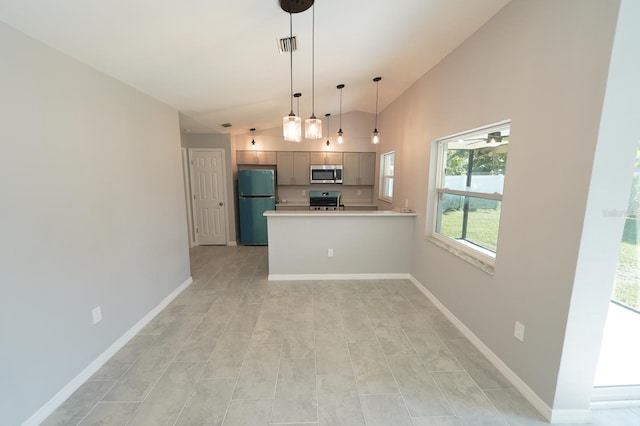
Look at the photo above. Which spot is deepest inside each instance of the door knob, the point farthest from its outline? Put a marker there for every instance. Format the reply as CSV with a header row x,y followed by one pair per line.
x,y
221,203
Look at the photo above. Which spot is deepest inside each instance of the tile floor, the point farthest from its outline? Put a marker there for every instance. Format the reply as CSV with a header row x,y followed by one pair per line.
x,y
236,349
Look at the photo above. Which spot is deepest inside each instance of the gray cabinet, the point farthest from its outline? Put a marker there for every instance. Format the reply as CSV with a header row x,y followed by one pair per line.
x,y
293,168
256,157
321,157
359,168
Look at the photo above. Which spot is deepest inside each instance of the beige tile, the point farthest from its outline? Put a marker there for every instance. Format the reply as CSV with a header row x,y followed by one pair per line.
x,y
78,404
515,408
110,413
332,353
118,364
207,405
226,358
198,346
248,413
259,372
167,398
479,367
469,403
419,390
370,366
385,410
434,354
298,339
295,399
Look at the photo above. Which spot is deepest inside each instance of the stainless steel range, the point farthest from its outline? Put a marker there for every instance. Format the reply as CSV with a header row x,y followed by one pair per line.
x,y
324,200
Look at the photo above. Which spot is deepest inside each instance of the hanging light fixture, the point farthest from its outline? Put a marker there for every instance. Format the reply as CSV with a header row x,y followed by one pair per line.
x,y
313,126
253,140
291,125
328,115
375,137
340,140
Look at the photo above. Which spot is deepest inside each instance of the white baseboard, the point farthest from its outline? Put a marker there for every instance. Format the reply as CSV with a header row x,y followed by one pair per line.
x,y
232,243
64,393
615,397
307,277
554,416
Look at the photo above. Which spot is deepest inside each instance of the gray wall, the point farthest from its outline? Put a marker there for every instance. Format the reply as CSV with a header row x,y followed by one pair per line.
x,y
544,65
220,141
92,214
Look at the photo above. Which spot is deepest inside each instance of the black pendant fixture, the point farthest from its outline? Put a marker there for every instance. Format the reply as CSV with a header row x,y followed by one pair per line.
x,y
340,140
375,137
328,130
295,6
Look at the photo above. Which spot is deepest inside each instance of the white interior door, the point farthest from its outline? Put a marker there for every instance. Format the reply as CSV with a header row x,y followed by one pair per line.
x,y
208,192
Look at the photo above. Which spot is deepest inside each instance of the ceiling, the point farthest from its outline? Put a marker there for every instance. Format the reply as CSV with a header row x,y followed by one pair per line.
x,y
218,62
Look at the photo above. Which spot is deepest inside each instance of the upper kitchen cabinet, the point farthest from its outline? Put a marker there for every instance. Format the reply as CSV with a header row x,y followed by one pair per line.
x,y
359,168
293,168
256,157
333,158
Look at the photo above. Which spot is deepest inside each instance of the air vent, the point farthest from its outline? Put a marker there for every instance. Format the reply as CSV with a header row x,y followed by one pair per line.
x,y
226,124
287,44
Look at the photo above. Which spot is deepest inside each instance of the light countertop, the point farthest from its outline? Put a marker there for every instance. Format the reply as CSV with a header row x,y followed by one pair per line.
x,y
334,213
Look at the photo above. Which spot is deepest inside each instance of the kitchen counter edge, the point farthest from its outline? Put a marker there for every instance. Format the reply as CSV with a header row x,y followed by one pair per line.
x,y
327,213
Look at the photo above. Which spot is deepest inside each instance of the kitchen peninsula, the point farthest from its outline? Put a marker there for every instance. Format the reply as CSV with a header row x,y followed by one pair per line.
x,y
306,245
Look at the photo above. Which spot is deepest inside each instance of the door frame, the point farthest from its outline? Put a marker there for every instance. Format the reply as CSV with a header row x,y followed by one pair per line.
x,y
225,194
186,178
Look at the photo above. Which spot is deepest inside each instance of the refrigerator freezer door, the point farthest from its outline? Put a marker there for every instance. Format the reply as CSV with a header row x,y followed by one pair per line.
x,y
256,182
253,225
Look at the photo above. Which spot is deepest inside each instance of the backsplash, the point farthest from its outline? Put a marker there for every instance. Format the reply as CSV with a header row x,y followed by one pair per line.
x,y
349,194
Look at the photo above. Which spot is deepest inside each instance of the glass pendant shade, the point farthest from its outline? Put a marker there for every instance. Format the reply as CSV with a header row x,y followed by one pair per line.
x,y
313,128
340,139
292,128
375,137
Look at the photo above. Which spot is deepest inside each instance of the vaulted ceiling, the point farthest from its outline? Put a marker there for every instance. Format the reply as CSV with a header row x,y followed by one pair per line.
x,y
218,61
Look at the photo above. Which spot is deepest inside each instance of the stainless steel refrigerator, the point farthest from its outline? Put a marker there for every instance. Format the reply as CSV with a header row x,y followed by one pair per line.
x,y
256,193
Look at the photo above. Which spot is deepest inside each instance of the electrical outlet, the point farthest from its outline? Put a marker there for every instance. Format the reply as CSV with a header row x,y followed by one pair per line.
x,y
96,314
518,331
330,252
359,192
304,192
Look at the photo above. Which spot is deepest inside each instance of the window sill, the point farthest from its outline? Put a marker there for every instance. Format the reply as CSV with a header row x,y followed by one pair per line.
x,y
474,261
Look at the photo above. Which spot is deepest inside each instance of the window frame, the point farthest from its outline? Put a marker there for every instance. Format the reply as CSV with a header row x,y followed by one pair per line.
x,y
381,194
458,246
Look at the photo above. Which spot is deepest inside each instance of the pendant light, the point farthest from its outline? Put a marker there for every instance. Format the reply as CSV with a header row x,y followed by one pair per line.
x,y
291,125
340,140
375,137
253,140
313,126
328,115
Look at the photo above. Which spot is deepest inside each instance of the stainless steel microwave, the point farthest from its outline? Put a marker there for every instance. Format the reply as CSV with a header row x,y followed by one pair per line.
x,y
322,173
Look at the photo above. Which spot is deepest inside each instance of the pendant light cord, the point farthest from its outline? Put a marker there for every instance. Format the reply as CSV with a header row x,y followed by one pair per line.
x,y
313,63
340,109
291,55
376,126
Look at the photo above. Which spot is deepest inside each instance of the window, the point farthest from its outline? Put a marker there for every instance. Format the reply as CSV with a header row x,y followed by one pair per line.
x,y
386,176
468,191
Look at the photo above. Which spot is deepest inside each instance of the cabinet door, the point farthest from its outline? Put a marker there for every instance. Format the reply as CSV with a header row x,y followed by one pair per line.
x,y
317,157
245,157
367,168
351,172
285,168
266,157
301,168
333,158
